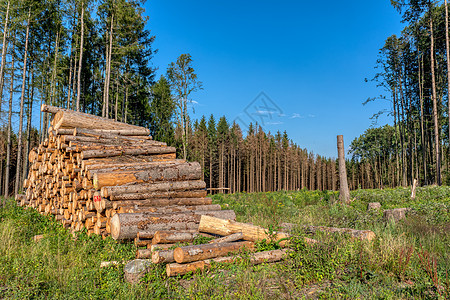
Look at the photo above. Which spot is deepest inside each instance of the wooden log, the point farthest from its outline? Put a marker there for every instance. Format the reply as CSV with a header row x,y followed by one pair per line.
x,y
162,198
250,232
360,234
158,205
74,119
104,167
108,162
102,132
108,191
205,251
50,109
162,172
143,253
228,239
126,226
119,151
161,247
170,237
167,210
135,270
175,269
163,256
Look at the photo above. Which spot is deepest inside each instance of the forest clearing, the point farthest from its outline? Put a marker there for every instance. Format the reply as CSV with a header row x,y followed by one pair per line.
x,y
408,259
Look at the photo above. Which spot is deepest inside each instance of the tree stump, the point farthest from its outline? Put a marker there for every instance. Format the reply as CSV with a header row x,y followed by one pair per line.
x,y
135,270
374,206
395,214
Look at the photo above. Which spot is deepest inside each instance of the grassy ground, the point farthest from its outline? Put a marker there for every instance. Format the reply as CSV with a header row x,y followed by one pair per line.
x,y
407,260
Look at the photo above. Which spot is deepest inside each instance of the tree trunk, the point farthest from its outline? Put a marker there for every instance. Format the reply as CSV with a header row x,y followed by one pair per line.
x,y
108,69
205,251
29,113
22,100
171,237
175,269
9,127
435,107
4,47
344,194
126,226
69,118
250,232
80,61
172,172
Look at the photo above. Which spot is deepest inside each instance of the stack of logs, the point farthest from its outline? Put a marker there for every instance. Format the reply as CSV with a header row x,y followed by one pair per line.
x,y
92,172
164,247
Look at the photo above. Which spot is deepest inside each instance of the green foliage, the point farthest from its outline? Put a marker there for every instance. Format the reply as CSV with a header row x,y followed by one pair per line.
x,y
392,266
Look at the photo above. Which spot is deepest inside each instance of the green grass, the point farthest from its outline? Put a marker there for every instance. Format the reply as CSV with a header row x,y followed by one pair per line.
x,y
390,267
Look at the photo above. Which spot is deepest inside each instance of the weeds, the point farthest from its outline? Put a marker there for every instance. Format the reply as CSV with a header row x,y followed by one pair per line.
x,y
61,267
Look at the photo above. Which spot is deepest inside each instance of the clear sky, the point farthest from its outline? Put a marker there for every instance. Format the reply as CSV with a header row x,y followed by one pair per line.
x,y
309,60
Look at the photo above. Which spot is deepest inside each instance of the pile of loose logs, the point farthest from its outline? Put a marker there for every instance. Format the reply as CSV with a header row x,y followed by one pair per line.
x,y
113,179
177,251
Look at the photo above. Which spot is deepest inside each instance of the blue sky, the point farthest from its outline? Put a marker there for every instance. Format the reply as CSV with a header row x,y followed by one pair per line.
x,y
297,66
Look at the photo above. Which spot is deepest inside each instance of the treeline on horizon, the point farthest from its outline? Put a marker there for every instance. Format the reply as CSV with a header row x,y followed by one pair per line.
x,y
413,71
96,57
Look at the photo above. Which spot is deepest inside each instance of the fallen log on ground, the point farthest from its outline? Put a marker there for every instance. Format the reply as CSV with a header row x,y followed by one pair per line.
x,y
175,269
228,239
360,234
170,237
163,256
206,251
250,232
126,226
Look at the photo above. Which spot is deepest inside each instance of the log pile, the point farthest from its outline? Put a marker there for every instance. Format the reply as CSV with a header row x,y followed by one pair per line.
x,y
175,248
113,179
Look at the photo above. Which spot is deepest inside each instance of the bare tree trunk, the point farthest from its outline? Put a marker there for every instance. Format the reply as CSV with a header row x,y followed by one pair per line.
x,y
2,68
108,69
80,61
447,48
29,113
22,100
9,127
53,83
435,108
344,194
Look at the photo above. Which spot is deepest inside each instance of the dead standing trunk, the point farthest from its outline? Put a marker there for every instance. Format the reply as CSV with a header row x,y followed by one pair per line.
x,y
344,195
8,148
22,100
435,108
80,61
2,68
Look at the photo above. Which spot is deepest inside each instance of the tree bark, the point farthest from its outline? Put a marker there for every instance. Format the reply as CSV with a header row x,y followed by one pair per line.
x,y
344,194
80,61
175,269
4,47
69,118
22,100
9,127
108,191
205,251
126,226
210,224
164,172
435,108
171,237
163,256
